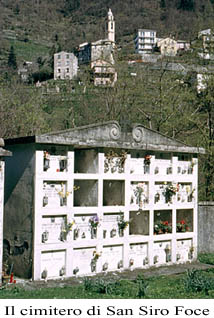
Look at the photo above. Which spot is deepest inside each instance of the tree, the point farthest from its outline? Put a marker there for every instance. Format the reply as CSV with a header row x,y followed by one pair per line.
x,y
163,4
187,5
21,110
12,59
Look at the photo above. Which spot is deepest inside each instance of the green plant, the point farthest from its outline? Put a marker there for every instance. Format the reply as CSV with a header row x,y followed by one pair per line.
x,y
169,191
122,288
195,281
98,285
206,258
102,287
87,284
182,226
162,227
122,224
142,286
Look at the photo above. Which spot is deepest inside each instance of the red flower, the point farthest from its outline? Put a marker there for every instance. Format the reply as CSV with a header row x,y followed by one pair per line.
x,y
182,222
166,223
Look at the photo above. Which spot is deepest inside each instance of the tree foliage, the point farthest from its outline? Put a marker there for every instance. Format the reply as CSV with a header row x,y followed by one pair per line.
x,y
12,59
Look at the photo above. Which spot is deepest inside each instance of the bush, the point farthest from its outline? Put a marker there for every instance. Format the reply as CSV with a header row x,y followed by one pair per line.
x,y
142,286
119,288
206,258
195,281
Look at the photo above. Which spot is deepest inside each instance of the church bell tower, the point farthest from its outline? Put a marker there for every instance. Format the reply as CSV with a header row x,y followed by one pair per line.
x,y
111,26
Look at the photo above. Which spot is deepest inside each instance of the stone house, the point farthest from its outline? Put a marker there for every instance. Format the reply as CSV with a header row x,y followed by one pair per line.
x,y
167,46
65,65
99,198
207,38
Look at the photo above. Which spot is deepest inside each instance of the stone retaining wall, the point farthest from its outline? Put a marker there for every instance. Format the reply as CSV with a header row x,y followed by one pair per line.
x,y
206,227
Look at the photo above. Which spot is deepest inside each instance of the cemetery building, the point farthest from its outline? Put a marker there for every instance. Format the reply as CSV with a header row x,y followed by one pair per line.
x,y
3,154
99,198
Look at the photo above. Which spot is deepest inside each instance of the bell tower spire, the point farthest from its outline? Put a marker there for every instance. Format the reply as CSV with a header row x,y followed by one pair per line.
x,y
111,26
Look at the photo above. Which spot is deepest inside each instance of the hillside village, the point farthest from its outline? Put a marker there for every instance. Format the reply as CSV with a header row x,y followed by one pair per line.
x,y
100,56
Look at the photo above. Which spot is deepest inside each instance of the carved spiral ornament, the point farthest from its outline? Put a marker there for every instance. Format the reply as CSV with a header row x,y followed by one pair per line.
x,y
137,134
114,132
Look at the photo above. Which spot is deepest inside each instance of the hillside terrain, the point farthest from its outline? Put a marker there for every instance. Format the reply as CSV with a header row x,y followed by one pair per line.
x,y
34,26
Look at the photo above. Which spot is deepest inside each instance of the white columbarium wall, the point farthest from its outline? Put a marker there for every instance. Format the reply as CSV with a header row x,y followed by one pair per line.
x,y
89,183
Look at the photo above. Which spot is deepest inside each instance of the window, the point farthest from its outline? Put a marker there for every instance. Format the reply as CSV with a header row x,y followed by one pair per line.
x,y
59,56
67,62
67,70
67,56
59,70
112,26
152,34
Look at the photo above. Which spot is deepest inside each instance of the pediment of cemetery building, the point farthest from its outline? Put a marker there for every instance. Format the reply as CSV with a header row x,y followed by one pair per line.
x,y
110,134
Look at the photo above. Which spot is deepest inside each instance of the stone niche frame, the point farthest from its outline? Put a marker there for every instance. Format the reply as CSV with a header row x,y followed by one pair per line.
x,y
95,192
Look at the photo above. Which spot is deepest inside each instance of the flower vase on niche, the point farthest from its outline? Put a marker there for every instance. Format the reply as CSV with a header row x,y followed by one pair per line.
x,y
105,266
168,253
93,265
146,169
45,200
157,197
76,270
120,264
45,236
62,271
121,232
62,165
155,260
93,233
94,222
63,236
147,161
131,263
63,201
122,225
191,253
156,170
46,161
76,234
44,274
190,170
113,233
145,261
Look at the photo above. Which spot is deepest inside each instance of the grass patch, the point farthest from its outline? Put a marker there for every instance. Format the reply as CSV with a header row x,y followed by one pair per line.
x,y
29,51
206,258
193,284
